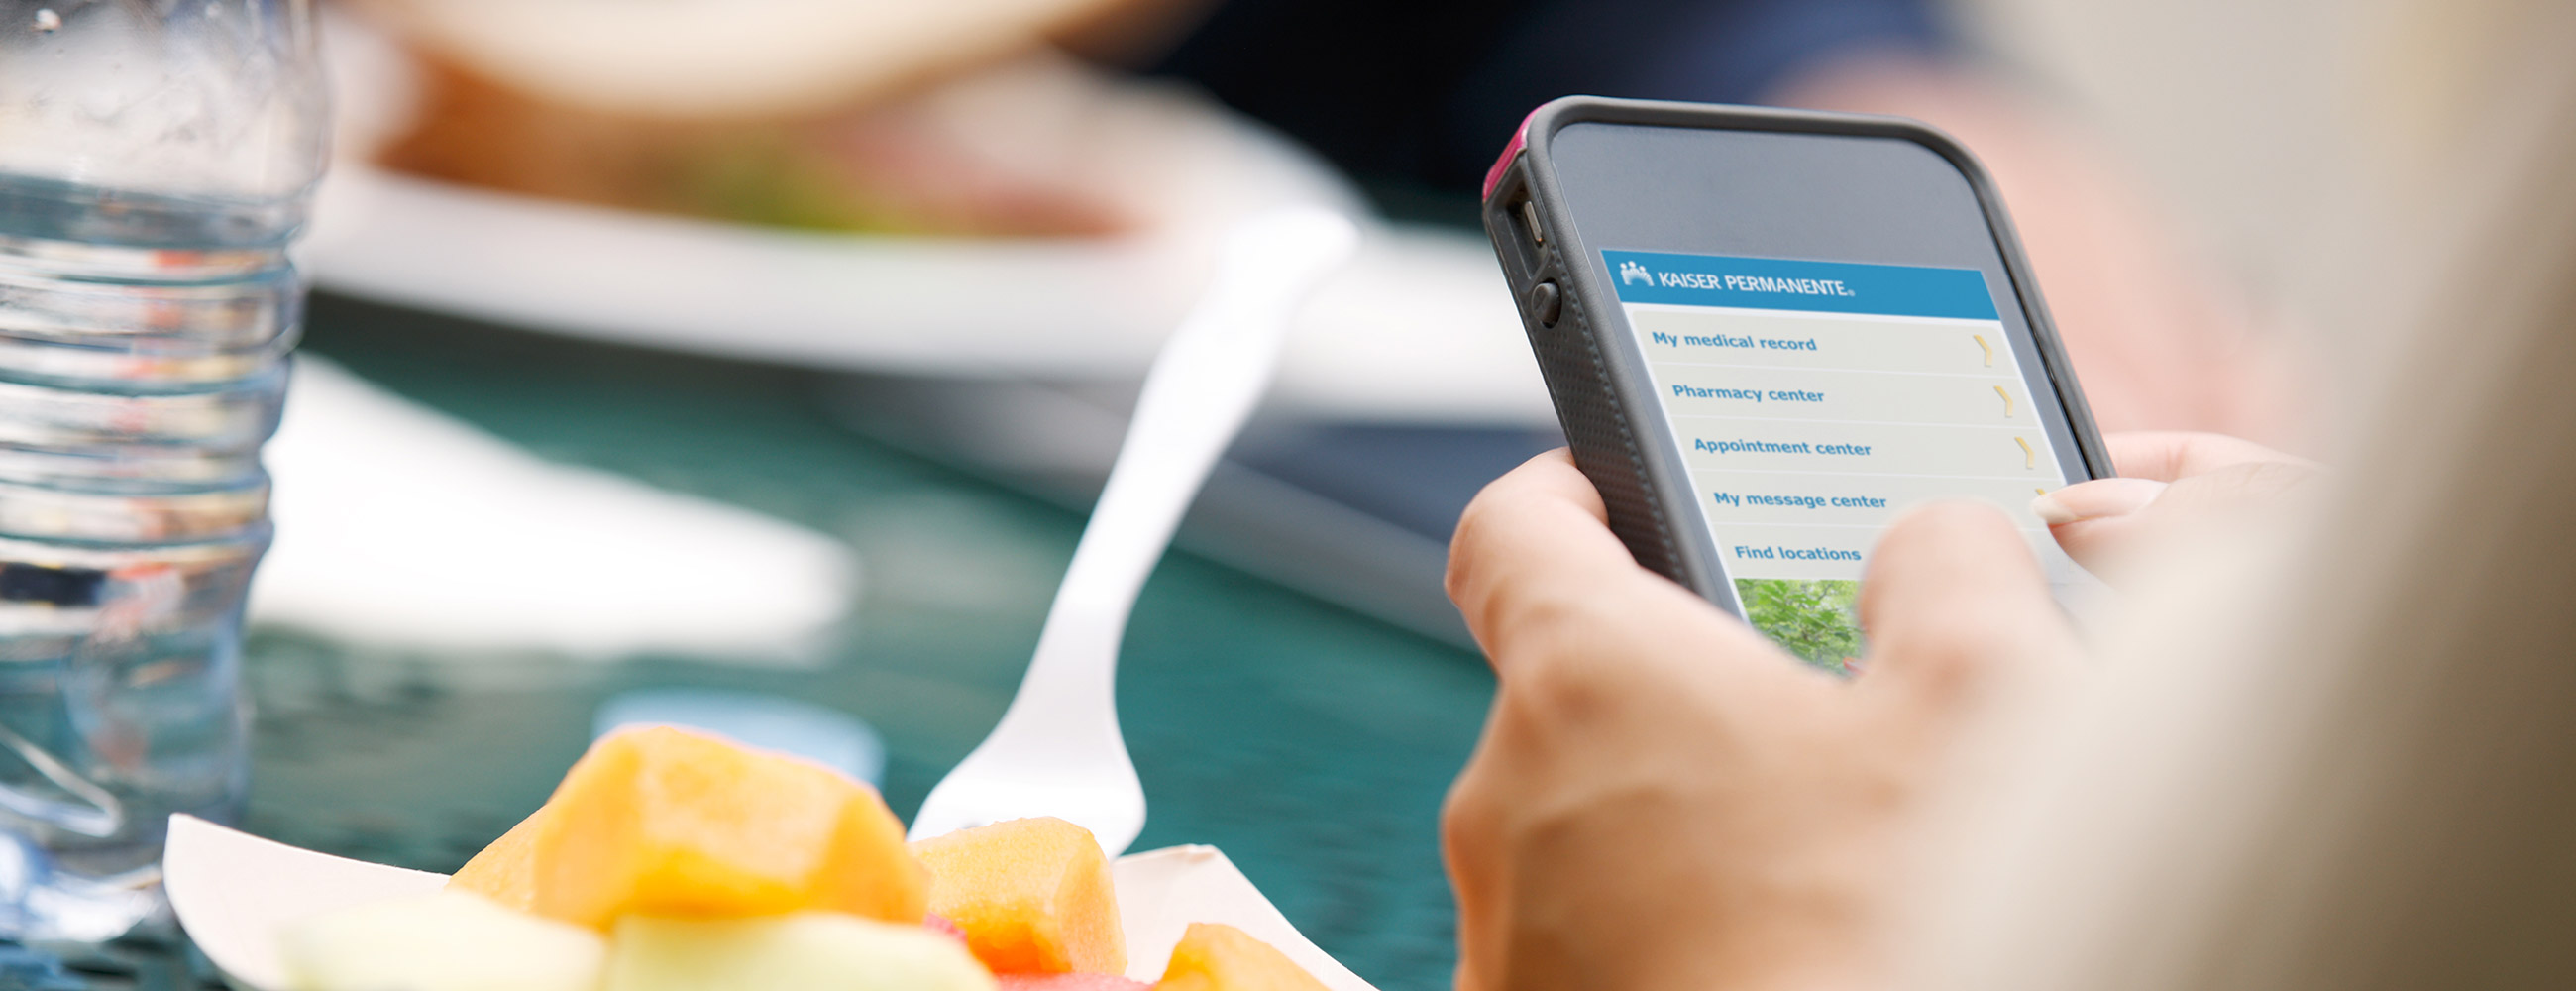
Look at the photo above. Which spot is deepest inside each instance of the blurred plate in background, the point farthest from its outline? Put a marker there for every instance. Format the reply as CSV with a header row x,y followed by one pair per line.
x,y
1406,383
1419,329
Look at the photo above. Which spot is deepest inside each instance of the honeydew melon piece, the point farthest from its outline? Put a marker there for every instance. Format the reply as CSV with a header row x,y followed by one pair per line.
x,y
803,950
449,941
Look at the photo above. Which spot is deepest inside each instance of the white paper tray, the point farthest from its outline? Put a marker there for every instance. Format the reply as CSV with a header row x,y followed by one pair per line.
x,y
234,892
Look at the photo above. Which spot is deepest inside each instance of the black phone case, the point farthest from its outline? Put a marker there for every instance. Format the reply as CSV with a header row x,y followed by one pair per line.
x,y
1600,388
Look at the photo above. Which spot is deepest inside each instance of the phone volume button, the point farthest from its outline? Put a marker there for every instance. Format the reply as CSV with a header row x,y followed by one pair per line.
x,y
1546,303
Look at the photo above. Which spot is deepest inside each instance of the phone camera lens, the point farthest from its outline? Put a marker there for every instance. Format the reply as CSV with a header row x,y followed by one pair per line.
x,y
1546,302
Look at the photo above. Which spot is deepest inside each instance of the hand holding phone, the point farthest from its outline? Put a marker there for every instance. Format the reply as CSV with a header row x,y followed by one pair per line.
x,y
1768,332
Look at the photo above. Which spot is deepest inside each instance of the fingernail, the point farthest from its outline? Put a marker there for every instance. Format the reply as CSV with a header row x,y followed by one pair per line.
x,y
2095,499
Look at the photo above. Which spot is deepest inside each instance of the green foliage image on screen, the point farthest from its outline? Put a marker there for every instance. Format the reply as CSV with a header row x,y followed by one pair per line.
x,y
1815,619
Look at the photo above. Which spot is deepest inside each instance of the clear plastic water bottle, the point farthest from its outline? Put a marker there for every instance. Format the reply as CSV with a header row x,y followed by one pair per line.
x,y
155,158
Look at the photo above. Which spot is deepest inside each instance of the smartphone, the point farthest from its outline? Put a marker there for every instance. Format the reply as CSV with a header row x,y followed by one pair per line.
x,y
1769,332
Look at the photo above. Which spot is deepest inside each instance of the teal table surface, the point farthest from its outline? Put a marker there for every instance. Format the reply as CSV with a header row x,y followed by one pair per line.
x,y
1311,744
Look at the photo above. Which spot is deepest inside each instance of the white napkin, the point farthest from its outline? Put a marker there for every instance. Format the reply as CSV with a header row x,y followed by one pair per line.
x,y
401,527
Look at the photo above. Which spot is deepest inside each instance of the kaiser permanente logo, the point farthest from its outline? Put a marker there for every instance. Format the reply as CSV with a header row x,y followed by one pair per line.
x,y
1739,283
1674,279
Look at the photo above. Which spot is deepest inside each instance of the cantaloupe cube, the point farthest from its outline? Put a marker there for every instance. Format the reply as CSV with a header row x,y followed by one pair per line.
x,y
664,822
1217,957
1033,895
504,872
806,951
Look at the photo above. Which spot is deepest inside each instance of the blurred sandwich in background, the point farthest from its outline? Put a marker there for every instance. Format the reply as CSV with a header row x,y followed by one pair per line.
x,y
878,116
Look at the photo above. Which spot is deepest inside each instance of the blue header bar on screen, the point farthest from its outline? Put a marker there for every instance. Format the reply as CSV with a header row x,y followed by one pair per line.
x,y
1783,284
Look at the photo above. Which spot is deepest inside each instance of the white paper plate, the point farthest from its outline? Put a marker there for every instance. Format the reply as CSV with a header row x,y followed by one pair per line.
x,y
1419,328
235,893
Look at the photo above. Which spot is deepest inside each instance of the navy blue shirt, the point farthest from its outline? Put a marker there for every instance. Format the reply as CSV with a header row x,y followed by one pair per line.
x,y
1425,92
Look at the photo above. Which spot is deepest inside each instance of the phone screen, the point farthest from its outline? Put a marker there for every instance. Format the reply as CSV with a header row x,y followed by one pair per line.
x,y
1816,400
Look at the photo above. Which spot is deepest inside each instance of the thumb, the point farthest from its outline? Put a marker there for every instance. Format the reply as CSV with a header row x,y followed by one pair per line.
x,y
2102,524
1953,599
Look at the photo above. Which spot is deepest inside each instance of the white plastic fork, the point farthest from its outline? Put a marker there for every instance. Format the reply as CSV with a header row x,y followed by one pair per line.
x,y
1057,751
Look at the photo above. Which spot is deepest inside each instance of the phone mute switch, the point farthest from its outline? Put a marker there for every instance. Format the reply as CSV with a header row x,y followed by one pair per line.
x,y
1546,303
